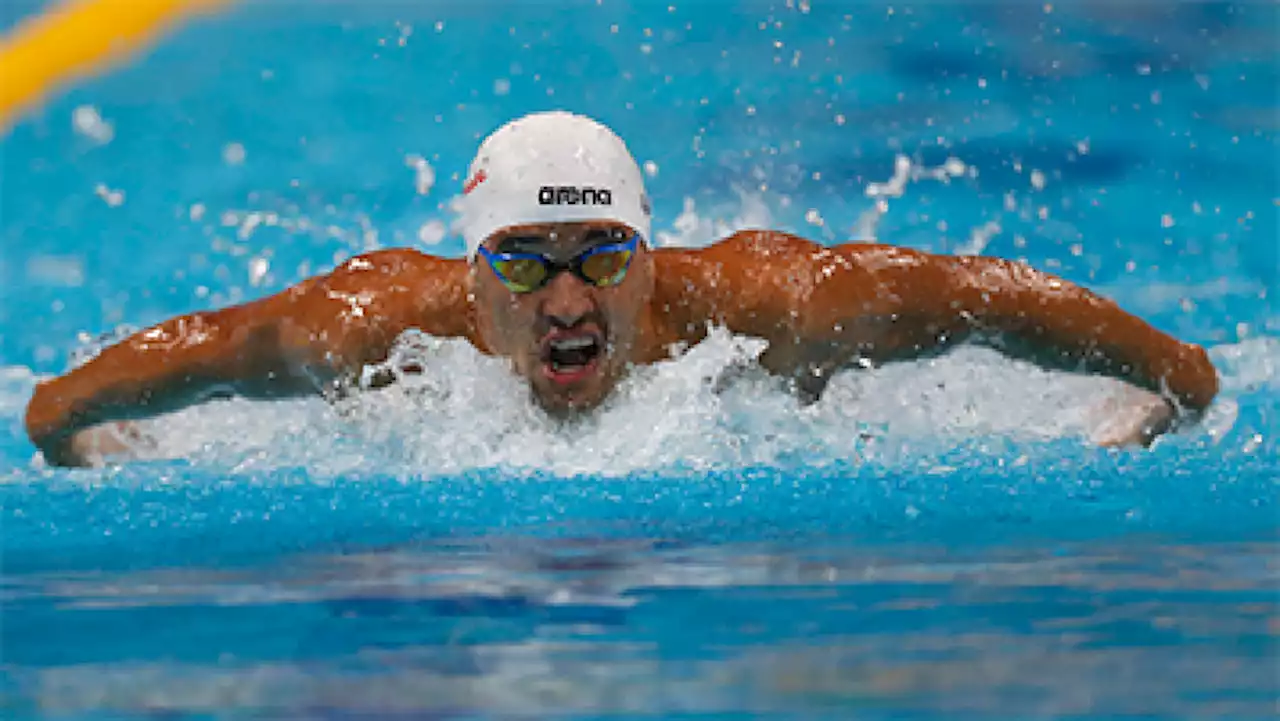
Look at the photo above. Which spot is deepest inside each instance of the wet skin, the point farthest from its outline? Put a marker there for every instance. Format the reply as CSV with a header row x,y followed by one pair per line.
x,y
526,326
820,309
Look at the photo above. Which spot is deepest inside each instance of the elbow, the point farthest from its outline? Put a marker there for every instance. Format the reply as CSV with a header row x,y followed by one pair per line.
x,y
1194,380
48,424
44,418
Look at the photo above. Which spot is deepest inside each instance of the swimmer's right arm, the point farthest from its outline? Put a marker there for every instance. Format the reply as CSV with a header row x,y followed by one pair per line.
x,y
289,344
158,370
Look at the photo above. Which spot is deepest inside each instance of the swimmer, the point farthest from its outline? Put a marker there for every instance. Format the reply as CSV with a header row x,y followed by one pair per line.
x,y
561,279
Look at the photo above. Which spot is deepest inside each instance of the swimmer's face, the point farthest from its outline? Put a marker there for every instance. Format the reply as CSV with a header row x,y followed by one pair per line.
x,y
572,339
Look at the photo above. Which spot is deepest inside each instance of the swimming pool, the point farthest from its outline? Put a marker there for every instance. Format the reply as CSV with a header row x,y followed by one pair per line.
x,y
932,540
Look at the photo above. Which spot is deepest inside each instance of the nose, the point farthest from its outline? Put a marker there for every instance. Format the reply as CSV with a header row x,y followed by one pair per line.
x,y
567,300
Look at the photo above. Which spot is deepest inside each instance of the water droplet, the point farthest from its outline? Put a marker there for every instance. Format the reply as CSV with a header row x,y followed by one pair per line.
x,y
233,154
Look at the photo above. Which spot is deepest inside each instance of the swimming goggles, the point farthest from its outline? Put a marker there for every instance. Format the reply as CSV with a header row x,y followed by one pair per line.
x,y
601,266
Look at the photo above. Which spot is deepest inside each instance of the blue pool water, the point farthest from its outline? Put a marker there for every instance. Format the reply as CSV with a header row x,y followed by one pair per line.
x,y
932,540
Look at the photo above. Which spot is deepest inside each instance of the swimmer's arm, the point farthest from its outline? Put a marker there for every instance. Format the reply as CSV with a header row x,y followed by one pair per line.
x,y
289,344
937,300
824,308
1063,325
161,369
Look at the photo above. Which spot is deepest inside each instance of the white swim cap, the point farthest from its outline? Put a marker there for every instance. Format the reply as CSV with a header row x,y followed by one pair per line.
x,y
551,167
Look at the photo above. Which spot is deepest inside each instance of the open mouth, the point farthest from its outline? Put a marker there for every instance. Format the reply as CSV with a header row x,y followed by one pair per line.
x,y
571,356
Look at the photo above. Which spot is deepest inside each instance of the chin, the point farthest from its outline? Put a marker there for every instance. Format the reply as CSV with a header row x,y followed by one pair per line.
x,y
567,390
562,404
568,401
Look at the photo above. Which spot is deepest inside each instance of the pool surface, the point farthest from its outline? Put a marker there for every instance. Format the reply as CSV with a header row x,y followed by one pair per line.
x,y
936,539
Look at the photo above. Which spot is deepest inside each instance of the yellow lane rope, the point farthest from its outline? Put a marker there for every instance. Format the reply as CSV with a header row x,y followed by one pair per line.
x,y
78,38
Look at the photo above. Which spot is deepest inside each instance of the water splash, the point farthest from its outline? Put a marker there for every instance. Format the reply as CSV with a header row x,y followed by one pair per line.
x,y
905,172
692,229
712,408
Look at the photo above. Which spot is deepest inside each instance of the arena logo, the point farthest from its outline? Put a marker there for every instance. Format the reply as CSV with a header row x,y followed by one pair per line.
x,y
569,195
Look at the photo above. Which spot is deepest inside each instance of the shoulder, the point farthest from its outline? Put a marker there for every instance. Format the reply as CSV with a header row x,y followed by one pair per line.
x,y
384,292
785,269
753,243
394,261
394,271
397,278
775,247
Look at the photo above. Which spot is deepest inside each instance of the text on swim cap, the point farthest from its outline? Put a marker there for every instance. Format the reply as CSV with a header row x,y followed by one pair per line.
x,y
569,195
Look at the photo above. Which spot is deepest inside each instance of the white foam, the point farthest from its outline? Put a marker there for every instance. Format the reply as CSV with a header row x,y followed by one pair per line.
x,y
711,408
1250,365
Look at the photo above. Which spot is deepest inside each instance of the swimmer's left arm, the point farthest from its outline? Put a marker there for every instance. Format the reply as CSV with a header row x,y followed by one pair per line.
x,y
926,302
824,308
1065,325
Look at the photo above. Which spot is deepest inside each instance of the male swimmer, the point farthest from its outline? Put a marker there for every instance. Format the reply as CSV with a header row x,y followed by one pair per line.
x,y
560,278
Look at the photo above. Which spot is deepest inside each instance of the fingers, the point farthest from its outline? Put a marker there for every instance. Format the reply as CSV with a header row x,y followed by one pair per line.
x,y
102,444
1134,417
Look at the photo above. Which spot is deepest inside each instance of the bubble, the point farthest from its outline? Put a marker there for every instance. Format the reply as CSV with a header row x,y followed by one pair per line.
x,y
86,121
233,154
113,198
432,232
258,268
424,176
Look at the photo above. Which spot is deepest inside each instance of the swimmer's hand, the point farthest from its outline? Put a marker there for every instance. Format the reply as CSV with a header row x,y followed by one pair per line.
x,y
100,445
1134,418
62,443
47,429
